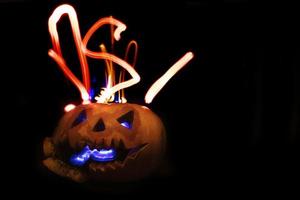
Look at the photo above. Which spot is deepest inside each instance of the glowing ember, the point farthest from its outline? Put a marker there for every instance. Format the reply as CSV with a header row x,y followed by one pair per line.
x,y
107,94
69,107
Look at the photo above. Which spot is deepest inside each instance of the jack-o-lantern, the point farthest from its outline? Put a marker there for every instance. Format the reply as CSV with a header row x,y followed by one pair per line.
x,y
109,139
106,142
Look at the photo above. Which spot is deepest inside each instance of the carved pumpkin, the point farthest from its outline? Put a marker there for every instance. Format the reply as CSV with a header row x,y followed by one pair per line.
x,y
104,140
115,142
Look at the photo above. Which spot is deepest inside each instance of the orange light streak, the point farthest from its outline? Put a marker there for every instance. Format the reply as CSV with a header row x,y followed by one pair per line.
x,y
107,94
112,42
159,84
83,52
106,20
109,72
52,24
132,44
61,63
135,76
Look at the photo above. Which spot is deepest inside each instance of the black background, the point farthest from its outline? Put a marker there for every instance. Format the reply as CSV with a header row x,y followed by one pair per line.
x,y
232,115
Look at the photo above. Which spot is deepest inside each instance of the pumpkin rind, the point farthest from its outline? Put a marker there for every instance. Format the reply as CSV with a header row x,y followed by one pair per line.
x,y
146,136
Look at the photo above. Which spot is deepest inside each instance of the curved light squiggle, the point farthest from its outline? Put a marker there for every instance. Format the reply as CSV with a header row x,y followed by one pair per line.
x,y
83,52
106,95
109,72
52,24
135,76
159,84
107,20
61,63
131,45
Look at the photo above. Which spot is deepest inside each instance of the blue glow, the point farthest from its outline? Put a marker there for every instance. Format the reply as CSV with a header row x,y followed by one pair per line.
x,y
102,155
94,79
126,120
126,125
81,158
92,93
80,118
117,98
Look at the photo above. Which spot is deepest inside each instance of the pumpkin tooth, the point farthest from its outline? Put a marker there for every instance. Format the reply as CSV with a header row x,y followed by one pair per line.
x,y
111,165
93,145
81,144
116,143
102,143
118,164
91,167
121,145
98,168
135,151
90,144
102,168
106,144
112,143
132,155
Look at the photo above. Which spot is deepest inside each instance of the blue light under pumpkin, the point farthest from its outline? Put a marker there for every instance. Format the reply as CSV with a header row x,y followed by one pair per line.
x,y
102,155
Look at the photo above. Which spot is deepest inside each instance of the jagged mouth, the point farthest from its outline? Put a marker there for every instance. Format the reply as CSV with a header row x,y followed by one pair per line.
x,y
104,155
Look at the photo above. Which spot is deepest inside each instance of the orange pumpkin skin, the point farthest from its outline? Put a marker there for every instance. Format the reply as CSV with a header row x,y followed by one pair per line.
x,y
144,141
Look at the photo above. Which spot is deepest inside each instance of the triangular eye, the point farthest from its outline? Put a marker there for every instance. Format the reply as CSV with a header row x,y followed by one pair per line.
x,y
80,118
126,120
99,126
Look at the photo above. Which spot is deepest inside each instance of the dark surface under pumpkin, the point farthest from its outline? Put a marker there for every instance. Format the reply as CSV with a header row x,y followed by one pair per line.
x,y
139,143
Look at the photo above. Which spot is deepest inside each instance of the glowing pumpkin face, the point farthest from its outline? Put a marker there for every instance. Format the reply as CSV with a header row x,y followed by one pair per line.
x,y
116,142
101,141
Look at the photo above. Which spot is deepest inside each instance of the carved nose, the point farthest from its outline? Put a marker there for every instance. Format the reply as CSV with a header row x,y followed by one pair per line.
x,y
99,126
